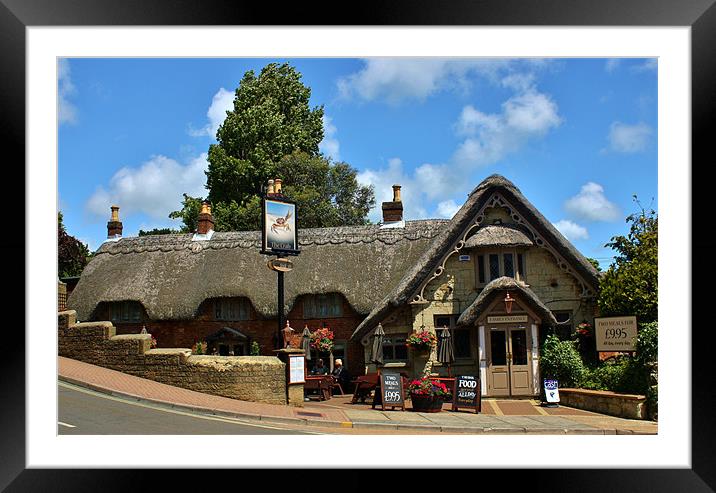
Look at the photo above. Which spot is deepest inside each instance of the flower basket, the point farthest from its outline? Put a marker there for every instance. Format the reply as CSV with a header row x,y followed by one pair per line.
x,y
426,403
427,395
422,341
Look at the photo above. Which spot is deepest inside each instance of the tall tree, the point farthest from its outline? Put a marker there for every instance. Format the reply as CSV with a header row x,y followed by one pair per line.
x,y
273,133
630,285
326,194
72,254
271,119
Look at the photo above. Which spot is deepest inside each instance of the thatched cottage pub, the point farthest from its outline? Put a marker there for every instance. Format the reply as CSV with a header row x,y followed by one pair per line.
x,y
405,275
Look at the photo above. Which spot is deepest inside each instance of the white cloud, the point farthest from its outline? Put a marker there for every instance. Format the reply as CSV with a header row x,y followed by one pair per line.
x,y
330,145
397,79
629,138
222,102
612,64
650,65
527,115
591,204
447,209
572,231
488,138
66,111
155,188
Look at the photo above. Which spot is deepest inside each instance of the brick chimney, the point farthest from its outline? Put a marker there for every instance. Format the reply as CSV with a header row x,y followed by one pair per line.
x,y
206,220
393,211
114,226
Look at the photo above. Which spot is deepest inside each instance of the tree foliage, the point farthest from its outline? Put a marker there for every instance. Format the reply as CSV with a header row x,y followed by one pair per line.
x,y
629,286
271,119
72,254
158,231
273,133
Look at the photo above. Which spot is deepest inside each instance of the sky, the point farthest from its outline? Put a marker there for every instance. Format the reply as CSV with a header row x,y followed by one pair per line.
x,y
578,137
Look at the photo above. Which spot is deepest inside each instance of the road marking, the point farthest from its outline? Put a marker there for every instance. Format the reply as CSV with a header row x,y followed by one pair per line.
x,y
174,411
65,424
541,411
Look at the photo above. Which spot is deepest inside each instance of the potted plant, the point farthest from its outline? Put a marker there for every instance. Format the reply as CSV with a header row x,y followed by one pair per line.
x,y
427,395
322,340
422,341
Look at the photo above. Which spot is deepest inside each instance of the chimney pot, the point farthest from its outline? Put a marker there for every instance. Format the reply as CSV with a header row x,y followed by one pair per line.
x,y
114,226
270,187
393,211
206,219
277,185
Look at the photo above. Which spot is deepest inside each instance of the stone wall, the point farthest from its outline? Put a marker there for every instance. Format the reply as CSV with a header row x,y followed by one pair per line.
x,y
247,378
601,401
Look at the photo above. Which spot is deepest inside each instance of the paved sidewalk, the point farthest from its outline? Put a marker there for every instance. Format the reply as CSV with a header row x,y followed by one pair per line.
x,y
498,416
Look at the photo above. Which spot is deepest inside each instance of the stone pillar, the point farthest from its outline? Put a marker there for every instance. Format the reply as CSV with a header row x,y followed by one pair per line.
x,y
294,391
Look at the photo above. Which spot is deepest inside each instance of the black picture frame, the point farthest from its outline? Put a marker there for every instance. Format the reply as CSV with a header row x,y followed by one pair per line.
x,y
700,15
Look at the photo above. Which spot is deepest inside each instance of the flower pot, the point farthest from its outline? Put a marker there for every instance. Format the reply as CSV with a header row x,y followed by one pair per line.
x,y
426,403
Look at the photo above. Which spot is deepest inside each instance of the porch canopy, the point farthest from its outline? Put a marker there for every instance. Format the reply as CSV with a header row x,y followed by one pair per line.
x,y
499,287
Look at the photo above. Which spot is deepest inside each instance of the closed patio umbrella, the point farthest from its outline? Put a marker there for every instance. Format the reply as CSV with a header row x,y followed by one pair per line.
x,y
306,342
376,354
445,352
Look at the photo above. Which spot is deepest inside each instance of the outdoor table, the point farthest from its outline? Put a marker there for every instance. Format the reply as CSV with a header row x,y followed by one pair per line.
x,y
322,383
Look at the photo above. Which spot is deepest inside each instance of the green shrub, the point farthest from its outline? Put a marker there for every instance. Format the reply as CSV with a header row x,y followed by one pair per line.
x,y
560,360
255,349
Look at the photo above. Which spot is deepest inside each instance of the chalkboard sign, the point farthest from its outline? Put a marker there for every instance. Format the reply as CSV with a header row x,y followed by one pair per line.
x,y
391,391
467,393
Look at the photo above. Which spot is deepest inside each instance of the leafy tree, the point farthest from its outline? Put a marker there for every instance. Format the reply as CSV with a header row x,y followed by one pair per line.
x,y
326,194
158,231
595,263
629,286
273,133
189,214
72,254
271,119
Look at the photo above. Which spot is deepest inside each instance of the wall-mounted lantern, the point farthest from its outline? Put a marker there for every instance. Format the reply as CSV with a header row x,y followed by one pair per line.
x,y
508,303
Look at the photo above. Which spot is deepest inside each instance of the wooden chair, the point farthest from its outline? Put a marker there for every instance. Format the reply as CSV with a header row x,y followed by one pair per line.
x,y
335,384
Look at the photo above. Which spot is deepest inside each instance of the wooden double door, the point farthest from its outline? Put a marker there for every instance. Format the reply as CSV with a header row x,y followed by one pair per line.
x,y
509,369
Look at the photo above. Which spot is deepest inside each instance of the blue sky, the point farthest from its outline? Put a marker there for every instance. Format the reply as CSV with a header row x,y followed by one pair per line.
x,y
578,137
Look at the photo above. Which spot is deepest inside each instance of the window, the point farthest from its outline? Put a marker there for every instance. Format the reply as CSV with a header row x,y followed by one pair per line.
x,y
231,309
125,311
323,306
498,264
462,349
394,349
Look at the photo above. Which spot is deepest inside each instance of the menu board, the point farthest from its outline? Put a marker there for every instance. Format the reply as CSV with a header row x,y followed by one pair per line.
x,y
391,391
296,369
466,393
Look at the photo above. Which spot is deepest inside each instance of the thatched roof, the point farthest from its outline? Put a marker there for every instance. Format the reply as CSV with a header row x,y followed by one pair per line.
x,y
171,275
504,235
448,236
498,287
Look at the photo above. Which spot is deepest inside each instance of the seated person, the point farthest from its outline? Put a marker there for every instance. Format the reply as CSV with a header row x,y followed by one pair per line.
x,y
319,369
341,374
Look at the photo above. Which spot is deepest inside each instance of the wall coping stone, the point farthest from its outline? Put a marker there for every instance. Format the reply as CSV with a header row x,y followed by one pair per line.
x,y
137,337
602,393
84,325
168,351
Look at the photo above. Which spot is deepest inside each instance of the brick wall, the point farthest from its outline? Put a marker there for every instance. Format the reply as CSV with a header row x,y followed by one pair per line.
x,y
248,378
185,333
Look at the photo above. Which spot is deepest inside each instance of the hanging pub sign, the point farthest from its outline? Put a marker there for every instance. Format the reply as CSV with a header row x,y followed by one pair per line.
x,y
467,393
615,333
391,391
278,226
